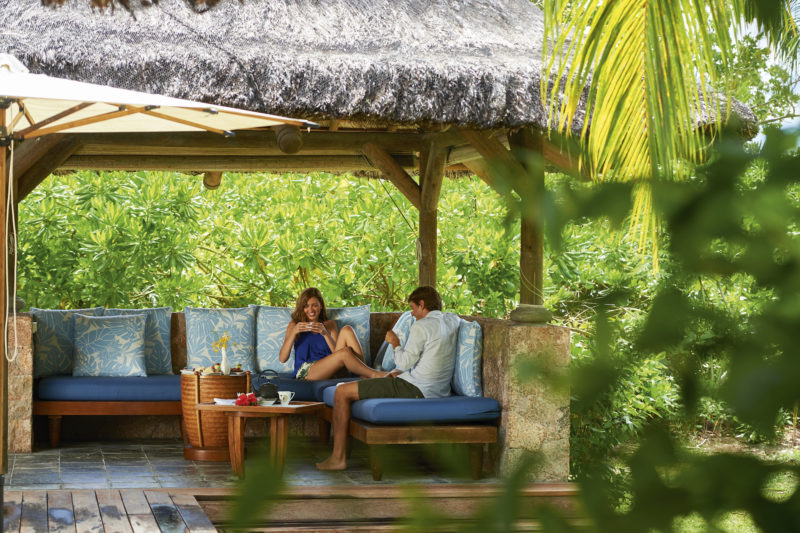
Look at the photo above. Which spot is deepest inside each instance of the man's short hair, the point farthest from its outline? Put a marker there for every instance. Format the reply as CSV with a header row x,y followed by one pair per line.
x,y
433,302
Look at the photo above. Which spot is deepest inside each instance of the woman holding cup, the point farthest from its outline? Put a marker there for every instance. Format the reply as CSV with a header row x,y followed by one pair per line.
x,y
320,349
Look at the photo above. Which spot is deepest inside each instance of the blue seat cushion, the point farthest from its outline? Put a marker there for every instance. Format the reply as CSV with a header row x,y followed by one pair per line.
x,y
162,388
399,411
307,391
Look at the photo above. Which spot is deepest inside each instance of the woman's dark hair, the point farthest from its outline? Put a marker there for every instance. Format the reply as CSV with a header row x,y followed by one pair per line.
x,y
433,302
299,313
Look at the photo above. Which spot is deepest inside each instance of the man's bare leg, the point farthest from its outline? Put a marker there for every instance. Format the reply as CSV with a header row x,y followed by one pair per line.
x,y
344,397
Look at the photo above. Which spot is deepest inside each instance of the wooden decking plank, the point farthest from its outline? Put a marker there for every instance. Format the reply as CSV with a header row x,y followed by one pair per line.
x,y
34,512
143,523
112,511
194,516
167,515
60,515
87,512
12,509
135,502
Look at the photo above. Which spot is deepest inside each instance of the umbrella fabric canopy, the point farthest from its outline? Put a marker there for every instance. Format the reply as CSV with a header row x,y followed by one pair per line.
x,y
40,105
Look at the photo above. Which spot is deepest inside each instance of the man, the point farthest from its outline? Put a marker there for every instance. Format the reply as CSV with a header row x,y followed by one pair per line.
x,y
424,368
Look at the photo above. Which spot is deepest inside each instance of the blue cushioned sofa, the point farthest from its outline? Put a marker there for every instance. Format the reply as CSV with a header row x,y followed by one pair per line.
x,y
462,419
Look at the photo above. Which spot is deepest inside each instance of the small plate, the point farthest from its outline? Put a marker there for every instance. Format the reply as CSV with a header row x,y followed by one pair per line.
x,y
187,371
265,403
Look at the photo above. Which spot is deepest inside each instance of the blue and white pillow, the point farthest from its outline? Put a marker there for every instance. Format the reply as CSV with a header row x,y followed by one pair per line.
x,y
109,345
402,329
157,351
53,341
469,353
271,325
204,327
357,318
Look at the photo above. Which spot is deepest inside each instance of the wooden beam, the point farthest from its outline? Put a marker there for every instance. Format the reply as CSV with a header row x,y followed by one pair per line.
x,y
562,160
286,163
431,176
211,180
244,143
531,190
27,153
45,165
481,169
390,168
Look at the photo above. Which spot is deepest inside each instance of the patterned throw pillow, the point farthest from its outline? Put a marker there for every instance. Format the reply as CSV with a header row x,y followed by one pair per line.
x,y
109,345
204,327
469,352
401,328
157,351
357,318
271,325
54,340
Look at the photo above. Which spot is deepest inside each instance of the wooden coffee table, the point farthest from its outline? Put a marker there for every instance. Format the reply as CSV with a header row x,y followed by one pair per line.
x,y
278,431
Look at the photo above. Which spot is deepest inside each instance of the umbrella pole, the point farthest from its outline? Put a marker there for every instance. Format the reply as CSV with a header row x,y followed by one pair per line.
x,y
4,139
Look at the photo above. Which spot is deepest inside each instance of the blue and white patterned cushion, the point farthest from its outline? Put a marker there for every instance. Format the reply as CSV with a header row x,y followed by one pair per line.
x,y
204,327
109,345
357,318
271,330
271,325
469,352
402,328
157,351
54,340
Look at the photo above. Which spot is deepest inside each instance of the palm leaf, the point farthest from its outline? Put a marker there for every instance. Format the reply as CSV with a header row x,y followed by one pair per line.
x,y
649,67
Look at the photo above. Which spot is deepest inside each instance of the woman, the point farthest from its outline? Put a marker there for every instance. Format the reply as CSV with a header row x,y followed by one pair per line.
x,y
320,349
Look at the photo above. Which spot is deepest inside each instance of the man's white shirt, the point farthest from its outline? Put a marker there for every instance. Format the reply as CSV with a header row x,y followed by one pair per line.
x,y
429,356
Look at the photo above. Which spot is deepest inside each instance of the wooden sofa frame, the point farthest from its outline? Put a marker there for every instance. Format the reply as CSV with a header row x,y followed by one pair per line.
x,y
375,436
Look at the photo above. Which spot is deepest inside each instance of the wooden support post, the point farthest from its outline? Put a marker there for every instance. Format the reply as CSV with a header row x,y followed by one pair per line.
x,y
526,146
211,180
3,303
431,175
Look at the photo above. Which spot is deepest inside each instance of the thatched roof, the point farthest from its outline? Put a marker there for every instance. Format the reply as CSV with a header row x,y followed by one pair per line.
x,y
473,63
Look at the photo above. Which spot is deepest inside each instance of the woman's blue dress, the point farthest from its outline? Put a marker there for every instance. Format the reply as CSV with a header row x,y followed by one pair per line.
x,y
309,348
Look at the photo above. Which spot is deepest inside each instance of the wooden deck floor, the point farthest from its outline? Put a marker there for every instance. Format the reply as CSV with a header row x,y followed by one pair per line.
x,y
323,508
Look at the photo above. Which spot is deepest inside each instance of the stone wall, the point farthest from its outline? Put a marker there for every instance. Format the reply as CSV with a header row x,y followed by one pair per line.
x,y
20,385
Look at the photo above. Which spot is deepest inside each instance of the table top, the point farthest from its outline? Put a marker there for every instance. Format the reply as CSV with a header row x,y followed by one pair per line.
x,y
292,408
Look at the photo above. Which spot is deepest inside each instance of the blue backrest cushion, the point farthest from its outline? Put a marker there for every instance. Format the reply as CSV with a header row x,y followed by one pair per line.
x,y
469,353
109,345
271,325
356,317
204,327
54,340
402,328
157,351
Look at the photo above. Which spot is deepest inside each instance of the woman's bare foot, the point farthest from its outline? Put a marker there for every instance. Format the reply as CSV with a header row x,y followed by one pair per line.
x,y
331,464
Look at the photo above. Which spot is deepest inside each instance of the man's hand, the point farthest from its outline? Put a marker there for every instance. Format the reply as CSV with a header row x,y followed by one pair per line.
x,y
391,338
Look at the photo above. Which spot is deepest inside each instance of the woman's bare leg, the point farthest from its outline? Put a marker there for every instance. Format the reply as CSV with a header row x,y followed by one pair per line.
x,y
345,358
347,339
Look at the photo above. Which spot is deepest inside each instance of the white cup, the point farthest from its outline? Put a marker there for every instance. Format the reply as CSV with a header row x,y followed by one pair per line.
x,y
285,396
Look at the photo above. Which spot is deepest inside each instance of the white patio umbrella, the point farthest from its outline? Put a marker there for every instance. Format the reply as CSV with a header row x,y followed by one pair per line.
x,y
34,105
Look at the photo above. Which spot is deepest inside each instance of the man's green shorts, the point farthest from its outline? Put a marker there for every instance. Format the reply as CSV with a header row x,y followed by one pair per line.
x,y
387,388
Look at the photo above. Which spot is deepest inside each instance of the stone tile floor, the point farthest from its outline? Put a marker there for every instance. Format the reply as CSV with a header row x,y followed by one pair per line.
x,y
160,464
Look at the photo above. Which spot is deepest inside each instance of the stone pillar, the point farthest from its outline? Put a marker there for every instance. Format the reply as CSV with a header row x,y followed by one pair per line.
x,y
20,385
535,412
